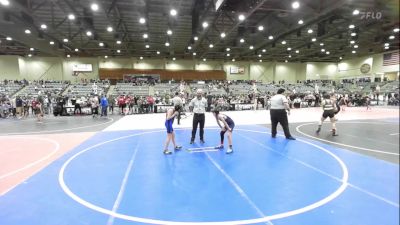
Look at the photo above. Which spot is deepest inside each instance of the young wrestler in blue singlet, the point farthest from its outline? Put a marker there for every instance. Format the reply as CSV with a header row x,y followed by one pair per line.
x,y
169,120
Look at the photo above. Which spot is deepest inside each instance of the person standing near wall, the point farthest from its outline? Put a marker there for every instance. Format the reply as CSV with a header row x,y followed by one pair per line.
x,y
279,106
198,106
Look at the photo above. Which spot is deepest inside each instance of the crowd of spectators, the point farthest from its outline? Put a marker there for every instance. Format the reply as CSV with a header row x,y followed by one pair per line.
x,y
225,94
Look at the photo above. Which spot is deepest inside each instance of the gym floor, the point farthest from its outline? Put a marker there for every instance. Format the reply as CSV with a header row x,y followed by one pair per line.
x,y
84,170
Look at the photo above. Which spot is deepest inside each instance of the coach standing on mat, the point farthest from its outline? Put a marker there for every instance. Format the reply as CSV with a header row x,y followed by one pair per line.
x,y
279,105
198,106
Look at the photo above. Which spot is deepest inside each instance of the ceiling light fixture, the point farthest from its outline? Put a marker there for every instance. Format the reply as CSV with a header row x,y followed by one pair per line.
x,y
27,31
65,40
228,49
241,17
110,29
68,56
29,55
141,57
283,42
147,46
323,50
251,47
271,37
5,2
205,24
228,54
51,42
174,58
211,46
195,38
321,44
142,20
43,26
351,26
194,53
386,44
94,7
353,34
391,37
310,31
260,60
118,51
88,33
355,46
118,42
169,32
356,12
204,59
264,50
189,47
386,47
300,22
295,5
327,52
354,52
101,44
31,49
259,55
352,42
145,36
173,12
396,30
76,50
241,40
233,60
158,52
167,44
289,49
71,16
314,40
223,34
260,28
297,51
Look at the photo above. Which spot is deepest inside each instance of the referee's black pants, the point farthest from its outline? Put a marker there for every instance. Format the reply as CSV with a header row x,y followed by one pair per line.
x,y
279,116
198,118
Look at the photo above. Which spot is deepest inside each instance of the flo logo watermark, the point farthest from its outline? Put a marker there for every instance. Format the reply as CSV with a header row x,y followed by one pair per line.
x,y
371,15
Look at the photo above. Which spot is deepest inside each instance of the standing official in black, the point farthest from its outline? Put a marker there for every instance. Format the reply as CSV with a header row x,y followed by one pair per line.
x,y
198,106
279,105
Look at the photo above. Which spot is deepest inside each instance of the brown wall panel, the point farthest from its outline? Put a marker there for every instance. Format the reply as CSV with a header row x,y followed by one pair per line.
x,y
117,74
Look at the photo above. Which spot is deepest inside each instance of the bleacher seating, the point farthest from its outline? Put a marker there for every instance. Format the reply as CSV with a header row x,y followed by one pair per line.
x,y
10,88
130,89
87,89
33,89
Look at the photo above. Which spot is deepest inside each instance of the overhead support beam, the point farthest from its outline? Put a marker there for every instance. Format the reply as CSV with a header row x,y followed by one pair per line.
x,y
14,30
38,6
248,14
323,15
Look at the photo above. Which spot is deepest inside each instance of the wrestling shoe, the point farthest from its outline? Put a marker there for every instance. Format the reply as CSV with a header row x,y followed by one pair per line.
x,y
167,152
219,147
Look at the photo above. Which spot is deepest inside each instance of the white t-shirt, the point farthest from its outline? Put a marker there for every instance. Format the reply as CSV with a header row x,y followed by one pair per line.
x,y
278,101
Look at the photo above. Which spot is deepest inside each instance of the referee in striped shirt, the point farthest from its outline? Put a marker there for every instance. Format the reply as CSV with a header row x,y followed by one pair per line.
x,y
198,106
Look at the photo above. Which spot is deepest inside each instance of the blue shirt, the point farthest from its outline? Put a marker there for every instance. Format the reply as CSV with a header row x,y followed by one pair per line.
x,y
104,102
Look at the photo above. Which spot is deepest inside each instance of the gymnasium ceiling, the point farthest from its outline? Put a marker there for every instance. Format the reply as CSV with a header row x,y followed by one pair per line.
x,y
329,21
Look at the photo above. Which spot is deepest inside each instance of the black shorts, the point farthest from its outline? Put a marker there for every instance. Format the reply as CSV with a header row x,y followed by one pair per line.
x,y
328,113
